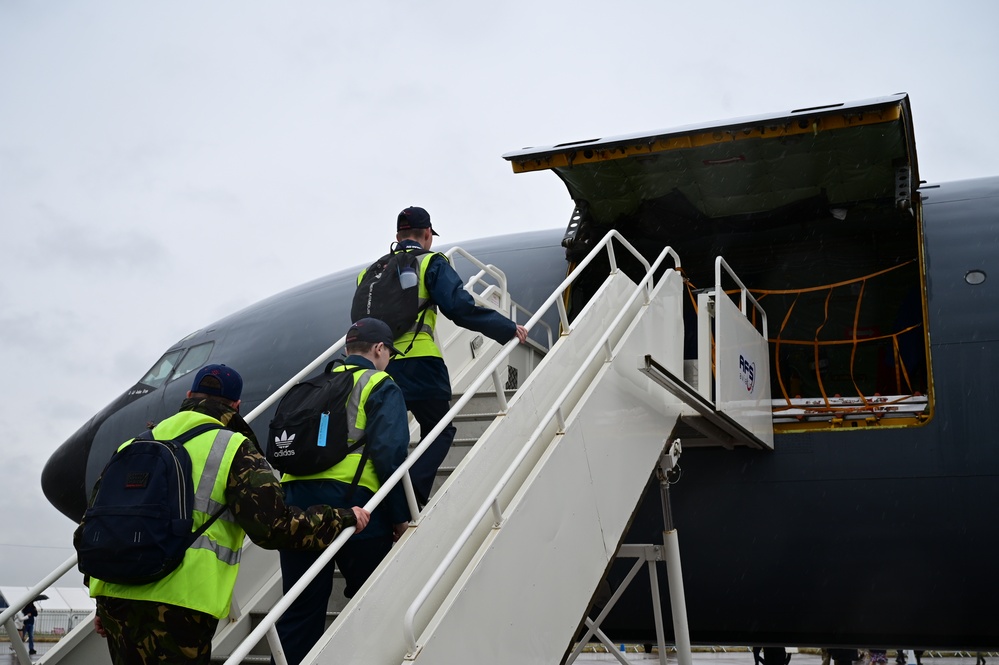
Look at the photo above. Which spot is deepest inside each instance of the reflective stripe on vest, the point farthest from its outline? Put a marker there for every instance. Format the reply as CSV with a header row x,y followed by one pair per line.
x,y
204,503
223,554
365,381
357,418
423,344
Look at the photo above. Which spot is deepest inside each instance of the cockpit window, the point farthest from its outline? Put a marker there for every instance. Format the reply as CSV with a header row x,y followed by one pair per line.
x,y
160,372
175,364
195,359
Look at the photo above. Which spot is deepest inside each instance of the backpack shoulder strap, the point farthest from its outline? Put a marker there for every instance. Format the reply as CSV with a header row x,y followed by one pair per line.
x,y
196,431
340,361
182,438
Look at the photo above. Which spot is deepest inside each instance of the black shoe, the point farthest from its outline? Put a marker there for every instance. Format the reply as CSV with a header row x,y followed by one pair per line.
x,y
32,652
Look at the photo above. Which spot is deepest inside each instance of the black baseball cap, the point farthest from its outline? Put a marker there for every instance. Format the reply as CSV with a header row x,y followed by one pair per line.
x,y
218,380
373,331
414,217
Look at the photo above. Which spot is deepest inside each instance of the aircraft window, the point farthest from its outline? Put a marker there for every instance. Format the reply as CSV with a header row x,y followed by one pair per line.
x,y
193,360
157,376
975,277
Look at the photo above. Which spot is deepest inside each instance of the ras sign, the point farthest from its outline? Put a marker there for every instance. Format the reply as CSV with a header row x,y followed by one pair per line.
x,y
747,373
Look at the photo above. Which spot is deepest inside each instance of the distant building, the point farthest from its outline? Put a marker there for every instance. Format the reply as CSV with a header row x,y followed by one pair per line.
x,y
60,612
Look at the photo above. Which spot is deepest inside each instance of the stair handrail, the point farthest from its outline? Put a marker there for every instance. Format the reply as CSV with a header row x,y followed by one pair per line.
x,y
555,412
506,304
484,269
7,616
301,375
721,263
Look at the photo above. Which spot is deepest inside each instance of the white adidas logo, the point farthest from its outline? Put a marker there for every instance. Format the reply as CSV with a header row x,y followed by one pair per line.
x,y
284,440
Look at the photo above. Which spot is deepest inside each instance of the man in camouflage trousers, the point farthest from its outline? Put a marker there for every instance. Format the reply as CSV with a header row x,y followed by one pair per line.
x,y
141,623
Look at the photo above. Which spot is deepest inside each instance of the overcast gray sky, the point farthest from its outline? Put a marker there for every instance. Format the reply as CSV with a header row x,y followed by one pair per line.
x,y
256,146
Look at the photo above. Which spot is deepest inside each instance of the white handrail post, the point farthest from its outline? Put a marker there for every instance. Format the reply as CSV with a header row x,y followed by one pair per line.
x,y
563,315
611,258
414,506
23,657
497,513
277,649
500,391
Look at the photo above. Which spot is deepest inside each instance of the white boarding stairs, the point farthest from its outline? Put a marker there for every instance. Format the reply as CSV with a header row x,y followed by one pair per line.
x,y
502,563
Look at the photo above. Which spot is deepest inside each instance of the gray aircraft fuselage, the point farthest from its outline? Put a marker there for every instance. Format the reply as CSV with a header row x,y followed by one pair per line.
x,y
859,537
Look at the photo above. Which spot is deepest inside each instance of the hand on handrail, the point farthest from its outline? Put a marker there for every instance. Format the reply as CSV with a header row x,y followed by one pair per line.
x,y
362,516
521,333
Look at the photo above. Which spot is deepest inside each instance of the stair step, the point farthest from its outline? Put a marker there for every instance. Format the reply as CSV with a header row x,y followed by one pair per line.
x,y
459,442
249,658
475,417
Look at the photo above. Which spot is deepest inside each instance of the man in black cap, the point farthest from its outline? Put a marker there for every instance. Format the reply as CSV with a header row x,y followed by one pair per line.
x,y
420,370
376,415
174,618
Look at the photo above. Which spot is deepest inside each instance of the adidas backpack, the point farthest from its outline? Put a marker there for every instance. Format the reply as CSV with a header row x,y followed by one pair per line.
x,y
139,524
387,291
308,433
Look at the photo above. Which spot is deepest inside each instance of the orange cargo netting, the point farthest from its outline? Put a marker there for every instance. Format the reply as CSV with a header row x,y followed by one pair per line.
x,y
901,373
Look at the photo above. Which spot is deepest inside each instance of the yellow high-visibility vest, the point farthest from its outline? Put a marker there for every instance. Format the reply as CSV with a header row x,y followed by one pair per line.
x,y
204,580
365,380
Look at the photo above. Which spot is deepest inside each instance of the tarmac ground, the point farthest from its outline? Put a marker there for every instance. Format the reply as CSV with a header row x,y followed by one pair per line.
x,y
634,653
744,656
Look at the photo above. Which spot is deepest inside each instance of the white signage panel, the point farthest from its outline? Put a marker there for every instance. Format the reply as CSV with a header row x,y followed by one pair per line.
x,y
742,371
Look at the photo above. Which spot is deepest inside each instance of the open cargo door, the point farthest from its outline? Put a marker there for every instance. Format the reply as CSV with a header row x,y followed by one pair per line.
x,y
816,210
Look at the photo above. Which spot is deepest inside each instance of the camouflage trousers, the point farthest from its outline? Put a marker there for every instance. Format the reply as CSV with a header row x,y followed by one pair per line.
x,y
142,632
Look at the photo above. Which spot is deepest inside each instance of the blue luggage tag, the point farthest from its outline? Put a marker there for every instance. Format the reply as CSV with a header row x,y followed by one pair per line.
x,y
324,421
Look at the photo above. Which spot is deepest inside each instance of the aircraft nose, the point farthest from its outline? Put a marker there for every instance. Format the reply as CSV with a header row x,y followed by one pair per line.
x,y
65,473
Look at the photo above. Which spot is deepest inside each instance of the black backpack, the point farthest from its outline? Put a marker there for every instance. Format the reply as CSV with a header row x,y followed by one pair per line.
x,y
308,433
380,294
138,524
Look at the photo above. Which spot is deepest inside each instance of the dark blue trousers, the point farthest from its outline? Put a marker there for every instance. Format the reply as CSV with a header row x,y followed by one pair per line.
x,y
429,412
305,621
